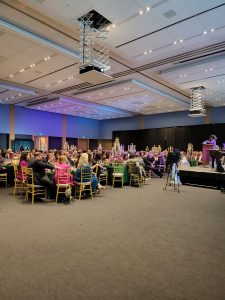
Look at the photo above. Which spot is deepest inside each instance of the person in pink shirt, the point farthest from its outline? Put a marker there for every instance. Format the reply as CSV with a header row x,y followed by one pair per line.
x,y
64,168
23,163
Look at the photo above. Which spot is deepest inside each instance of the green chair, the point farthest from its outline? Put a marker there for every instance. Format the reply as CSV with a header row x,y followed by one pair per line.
x,y
118,174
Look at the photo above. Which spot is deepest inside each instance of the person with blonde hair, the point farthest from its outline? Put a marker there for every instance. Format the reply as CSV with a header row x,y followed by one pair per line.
x,y
83,163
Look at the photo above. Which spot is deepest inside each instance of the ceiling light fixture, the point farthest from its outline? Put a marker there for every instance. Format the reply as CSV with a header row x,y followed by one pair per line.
x,y
147,8
205,32
141,12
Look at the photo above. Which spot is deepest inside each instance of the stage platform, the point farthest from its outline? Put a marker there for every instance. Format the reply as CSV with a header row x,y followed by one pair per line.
x,y
202,176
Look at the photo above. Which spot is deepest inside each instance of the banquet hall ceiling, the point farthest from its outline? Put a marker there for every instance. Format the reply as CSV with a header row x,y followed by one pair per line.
x,y
159,50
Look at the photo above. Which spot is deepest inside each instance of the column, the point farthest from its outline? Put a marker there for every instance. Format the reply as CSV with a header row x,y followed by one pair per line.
x,y
142,122
64,125
11,125
207,119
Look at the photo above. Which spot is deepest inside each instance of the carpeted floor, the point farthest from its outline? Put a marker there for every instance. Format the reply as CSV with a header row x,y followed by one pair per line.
x,y
127,243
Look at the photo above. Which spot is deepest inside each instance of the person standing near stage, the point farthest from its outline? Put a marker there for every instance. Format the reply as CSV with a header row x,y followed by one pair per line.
x,y
212,139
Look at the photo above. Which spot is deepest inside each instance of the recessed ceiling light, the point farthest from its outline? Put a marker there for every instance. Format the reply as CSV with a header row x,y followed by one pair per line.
x,y
175,42
22,70
150,51
148,8
32,65
19,95
113,25
181,41
205,32
145,53
59,81
11,75
212,29
141,12
211,69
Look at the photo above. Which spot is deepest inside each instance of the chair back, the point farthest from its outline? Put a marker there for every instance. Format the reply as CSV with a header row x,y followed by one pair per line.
x,y
118,169
24,172
86,174
29,176
133,168
63,178
15,171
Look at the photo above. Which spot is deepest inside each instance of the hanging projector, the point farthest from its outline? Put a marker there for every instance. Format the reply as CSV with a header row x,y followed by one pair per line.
x,y
93,74
197,113
197,108
94,51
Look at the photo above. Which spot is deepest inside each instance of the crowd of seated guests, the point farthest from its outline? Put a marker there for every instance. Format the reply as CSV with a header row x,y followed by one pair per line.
x,y
190,158
61,161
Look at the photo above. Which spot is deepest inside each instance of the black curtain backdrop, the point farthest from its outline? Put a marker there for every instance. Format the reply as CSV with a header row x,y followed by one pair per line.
x,y
54,142
72,141
93,144
178,137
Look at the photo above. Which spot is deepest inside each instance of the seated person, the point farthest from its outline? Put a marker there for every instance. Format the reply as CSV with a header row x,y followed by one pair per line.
x,y
23,163
184,160
97,165
64,169
149,165
139,163
83,163
40,176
